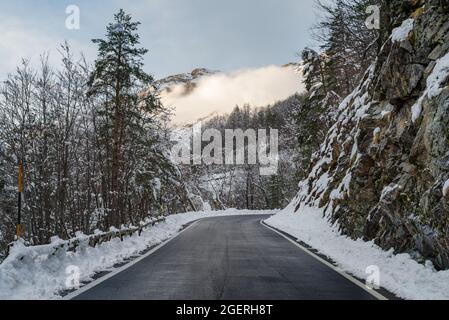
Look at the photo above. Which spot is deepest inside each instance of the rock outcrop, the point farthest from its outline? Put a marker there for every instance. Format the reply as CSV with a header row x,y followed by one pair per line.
x,y
187,80
381,172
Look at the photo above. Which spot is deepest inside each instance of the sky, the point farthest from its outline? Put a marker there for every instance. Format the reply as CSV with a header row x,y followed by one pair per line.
x,y
181,34
227,36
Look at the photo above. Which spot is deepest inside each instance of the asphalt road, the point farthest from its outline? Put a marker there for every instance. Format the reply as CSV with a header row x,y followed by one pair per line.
x,y
229,258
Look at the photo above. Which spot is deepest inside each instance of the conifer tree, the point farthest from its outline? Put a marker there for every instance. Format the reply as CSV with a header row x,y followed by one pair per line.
x,y
128,110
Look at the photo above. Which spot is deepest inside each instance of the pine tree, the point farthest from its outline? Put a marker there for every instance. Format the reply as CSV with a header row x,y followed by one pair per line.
x,y
128,111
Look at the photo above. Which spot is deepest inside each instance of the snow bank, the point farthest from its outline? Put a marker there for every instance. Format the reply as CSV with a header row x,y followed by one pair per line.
x,y
400,274
41,275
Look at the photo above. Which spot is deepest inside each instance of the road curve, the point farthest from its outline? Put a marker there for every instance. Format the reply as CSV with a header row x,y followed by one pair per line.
x,y
228,258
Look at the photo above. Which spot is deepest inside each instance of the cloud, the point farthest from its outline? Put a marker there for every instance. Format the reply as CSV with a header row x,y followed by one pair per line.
x,y
220,93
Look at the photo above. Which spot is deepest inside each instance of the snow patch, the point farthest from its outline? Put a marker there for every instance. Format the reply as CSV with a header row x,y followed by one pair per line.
x,y
389,190
446,188
416,111
385,114
401,33
434,82
438,75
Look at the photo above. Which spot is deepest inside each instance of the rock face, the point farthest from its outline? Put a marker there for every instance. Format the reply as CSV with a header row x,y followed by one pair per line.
x,y
381,172
188,80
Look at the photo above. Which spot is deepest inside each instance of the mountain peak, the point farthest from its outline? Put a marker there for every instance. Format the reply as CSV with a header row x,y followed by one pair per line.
x,y
186,79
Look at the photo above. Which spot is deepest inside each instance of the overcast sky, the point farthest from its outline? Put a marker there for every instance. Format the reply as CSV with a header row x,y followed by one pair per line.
x,y
223,35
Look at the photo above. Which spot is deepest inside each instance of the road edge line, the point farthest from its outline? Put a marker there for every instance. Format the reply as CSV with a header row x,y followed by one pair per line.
x,y
116,271
355,281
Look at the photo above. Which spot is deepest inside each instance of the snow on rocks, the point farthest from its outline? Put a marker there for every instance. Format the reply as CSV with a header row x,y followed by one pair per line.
x,y
38,273
388,190
417,110
437,77
399,274
434,82
446,189
401,33
376,135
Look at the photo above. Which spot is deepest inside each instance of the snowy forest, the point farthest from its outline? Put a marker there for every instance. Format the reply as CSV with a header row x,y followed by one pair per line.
x,y
94,138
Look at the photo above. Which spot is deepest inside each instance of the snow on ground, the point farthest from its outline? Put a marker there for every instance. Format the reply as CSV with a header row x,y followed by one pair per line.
x,y
41,275
399,274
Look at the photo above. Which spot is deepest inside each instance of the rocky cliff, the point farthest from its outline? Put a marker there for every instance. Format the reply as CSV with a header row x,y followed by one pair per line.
x,y
382,173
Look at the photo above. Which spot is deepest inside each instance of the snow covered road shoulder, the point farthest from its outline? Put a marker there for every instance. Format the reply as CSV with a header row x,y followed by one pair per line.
x,y
41,275
399,274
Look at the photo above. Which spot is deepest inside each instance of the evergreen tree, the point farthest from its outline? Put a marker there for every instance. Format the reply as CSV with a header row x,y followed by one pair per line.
x,y
128,110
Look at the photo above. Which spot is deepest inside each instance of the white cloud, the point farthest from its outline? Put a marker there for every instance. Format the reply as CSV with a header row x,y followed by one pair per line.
x,y
220,93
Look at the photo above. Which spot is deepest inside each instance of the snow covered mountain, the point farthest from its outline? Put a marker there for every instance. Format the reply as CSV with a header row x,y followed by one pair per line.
x,y
189,80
